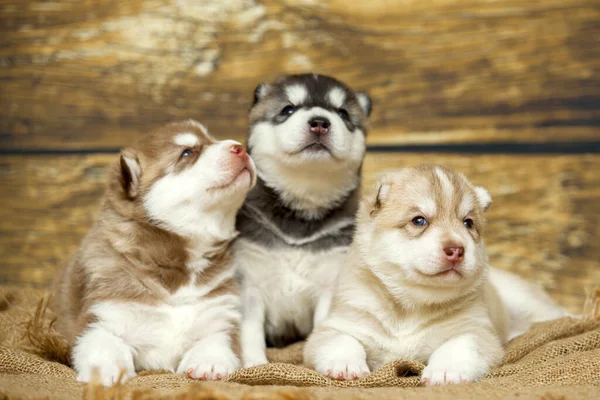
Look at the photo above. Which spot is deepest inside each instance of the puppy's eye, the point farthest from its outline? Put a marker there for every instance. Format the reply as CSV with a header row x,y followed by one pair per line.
x,y
419,221
186,153
343,113
288,110
468,223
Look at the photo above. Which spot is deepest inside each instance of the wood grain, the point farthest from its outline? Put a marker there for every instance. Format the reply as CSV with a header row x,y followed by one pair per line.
x,y
544,223
95,73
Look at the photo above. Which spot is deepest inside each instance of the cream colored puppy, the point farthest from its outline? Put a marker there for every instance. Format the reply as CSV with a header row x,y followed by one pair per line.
x,y
417,287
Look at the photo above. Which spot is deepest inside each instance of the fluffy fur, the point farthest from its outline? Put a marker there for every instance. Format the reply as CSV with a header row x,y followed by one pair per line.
x,y
152,285
526,303
290,159
307,137
416,287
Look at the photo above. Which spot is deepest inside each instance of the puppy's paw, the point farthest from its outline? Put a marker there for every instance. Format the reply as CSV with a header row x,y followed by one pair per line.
x,y
101,357
210,372
345,371
434,375
208,363
107,373
462,359
253,362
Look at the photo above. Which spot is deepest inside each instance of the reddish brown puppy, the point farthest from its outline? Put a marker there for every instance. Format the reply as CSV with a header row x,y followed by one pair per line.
x,y
152,285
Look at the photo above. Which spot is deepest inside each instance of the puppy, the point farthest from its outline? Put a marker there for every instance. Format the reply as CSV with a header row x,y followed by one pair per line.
x,y
416,287
152,285
525,302
307,137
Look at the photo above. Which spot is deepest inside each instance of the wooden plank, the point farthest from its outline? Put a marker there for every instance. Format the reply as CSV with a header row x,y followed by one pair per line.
x,y
544,222
89,74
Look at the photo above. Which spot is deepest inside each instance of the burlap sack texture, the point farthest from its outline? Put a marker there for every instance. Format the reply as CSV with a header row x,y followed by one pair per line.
x,y
554,360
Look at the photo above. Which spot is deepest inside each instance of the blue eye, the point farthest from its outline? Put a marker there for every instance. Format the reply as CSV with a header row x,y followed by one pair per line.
x,y
468,223
186,152
288,110
419,221
343,113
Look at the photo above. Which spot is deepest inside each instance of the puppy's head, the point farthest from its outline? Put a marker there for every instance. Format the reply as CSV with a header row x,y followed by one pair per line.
x,y
307,118
178,175
301,125
423,227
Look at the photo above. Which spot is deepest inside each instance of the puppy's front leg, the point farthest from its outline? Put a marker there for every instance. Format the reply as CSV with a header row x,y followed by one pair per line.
x,y
98,350
252,328
211,358
465,358
335,354
323,305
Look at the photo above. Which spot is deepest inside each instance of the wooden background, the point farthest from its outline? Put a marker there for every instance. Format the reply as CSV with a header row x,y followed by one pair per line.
x,y
506,91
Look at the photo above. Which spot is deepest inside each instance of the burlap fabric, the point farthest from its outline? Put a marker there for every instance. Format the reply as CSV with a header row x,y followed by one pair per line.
x,y
554,360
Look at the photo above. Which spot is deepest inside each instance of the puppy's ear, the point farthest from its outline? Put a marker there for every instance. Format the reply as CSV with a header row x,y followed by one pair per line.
x,y
383,189
131,173
259,92
365,102
484,198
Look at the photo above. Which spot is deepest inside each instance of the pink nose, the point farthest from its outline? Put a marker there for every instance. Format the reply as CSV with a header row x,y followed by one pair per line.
x,y
454,253
238,149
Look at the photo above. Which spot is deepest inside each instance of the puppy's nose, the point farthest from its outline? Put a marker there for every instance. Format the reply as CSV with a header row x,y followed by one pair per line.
x,y
454,253
238,149
319,125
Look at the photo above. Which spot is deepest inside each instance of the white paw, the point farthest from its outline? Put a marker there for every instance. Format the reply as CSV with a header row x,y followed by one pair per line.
x,y
255,361
98,354
345,371
434,375
210,372
214,364
108,374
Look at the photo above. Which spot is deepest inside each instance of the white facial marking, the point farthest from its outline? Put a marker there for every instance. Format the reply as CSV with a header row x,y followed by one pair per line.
x,y
296,94
445,182
186,139
204,198
336,97
466,205
429,207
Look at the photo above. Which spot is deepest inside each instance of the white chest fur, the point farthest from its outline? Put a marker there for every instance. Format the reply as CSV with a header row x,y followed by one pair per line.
x,y
289,281
416,337
408,343
160,335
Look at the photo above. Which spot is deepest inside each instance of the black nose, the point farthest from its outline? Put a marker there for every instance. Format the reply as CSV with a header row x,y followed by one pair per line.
x,y
319,125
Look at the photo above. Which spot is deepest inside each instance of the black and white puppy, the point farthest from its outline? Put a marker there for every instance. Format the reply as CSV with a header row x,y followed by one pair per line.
x,y
307,138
